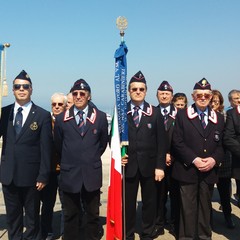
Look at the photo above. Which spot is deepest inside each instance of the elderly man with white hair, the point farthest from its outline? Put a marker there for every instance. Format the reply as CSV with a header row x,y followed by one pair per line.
x,y
198,151
48,195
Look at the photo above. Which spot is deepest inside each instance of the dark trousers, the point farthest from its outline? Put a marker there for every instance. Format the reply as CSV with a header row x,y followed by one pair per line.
x,y
60,193
195,211
224,189
48,198
17,201
167,186
148,194
79,205
162,194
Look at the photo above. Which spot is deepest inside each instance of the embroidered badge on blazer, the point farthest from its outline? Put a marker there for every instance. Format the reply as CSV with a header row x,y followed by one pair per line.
x,y
34,126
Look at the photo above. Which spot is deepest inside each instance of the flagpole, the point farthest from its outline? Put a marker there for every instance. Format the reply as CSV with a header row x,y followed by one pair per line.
x,y
122,26
3,83
123,153
115,224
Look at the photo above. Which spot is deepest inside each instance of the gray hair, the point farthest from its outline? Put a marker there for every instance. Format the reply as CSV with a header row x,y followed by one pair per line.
x,y
61,95
231,93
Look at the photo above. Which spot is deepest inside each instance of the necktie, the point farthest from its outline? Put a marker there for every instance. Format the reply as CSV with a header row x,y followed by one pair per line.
x,y
81,122
136,116
165,117
202,114
18,120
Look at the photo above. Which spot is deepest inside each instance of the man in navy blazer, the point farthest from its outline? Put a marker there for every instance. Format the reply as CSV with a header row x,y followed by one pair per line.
x,y
168,186
25,163
145,162
198,151
81,137
232,141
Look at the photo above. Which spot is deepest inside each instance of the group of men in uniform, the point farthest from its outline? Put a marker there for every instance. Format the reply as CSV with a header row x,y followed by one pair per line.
x,y
171,151
189,157
80,138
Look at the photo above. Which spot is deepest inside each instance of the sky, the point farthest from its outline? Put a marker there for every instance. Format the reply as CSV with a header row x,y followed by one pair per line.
x,y
60,41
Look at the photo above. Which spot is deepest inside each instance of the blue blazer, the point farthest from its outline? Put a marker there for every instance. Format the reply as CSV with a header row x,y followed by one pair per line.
x,y
81,155
147,143
190,140
232,135
26,159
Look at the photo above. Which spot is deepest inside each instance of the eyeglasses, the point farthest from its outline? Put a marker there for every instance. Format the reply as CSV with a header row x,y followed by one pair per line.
x,y
55,104
82,94
201,95
18,86
215,102
140,89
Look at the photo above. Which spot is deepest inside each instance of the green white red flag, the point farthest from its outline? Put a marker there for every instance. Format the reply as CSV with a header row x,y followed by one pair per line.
x,y
114,204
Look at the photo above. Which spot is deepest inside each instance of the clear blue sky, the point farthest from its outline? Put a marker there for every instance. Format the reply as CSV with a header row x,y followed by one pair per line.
x,y
181,41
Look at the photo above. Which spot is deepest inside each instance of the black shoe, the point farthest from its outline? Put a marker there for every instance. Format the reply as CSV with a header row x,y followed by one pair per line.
x,y
100,233
158,230
229,222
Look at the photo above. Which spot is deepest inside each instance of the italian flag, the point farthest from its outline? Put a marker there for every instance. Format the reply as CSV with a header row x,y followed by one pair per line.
x,y
114,204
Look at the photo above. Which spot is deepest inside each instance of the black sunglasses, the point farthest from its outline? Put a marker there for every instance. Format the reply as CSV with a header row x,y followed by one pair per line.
x,y
201,95
82,94
140,89
55,104
18,86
